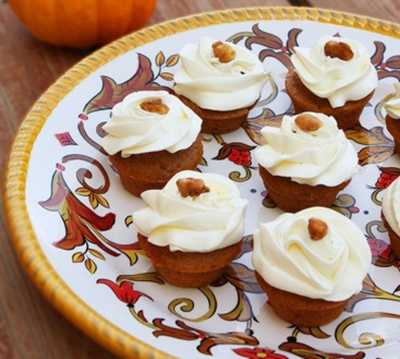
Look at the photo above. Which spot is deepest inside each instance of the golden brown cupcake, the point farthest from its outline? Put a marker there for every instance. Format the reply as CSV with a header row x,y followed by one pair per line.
x,y
392,107
391,214
306,161
310,264
152,136
220,81
335,77
192,229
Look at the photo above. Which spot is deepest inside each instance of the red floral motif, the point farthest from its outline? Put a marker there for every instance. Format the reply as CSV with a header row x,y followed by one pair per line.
x,y
257,353
237,152
241,158
80,222
124,291
380,248
65,139
387,176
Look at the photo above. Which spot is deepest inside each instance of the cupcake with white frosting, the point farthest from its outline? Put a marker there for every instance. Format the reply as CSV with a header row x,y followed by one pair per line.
x,y
335,77
310,264
192,228
391,214
220,81
150,137
392,106
306,161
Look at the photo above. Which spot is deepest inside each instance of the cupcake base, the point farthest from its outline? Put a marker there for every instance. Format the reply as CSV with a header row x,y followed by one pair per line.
x,y
394,238
139,173
218,122
189,269
300,310
292,196
303,99
393,127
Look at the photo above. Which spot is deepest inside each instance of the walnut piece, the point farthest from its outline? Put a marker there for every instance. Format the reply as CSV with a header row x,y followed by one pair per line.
x,y
317,229
223,52
155,105
308,123
338,49
192,187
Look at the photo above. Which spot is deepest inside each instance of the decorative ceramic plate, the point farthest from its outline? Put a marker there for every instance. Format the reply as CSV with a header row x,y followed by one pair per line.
x,y
70,219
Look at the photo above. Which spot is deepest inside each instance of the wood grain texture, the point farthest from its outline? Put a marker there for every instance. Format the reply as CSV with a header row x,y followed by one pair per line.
x,y
29,327
383,9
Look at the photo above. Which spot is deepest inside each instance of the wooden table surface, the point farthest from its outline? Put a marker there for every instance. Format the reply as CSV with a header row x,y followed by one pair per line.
x,y
29,326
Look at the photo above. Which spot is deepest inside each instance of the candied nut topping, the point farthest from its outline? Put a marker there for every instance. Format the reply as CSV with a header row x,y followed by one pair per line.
x,y
317,229
308,123
155,105
223,52
192,187
338,49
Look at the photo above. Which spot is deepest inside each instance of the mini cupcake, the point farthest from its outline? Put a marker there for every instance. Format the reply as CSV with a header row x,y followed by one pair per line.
x,y
219,81
310,264
392,107
334,77
306,161
391,214
152,136
192,229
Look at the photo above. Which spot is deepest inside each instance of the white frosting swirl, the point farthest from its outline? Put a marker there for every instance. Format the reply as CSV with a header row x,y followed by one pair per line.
x,y
218,86
332,78
133,130
391,206
392,103
211,221
331,268
322,157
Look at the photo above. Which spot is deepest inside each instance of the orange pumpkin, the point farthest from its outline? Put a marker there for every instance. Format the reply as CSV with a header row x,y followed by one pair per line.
x,y
82,23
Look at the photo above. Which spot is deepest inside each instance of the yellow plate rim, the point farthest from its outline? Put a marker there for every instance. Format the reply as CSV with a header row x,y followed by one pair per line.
x,y
26,245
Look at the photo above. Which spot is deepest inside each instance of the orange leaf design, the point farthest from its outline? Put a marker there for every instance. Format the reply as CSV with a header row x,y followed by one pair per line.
x,y
374,154
97,254
160,58
316,332
90,265
128,220
102,200
93,200
172,60
82,191
78,257
168,76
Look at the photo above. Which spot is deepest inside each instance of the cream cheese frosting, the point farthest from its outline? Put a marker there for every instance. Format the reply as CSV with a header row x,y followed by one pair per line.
x,y
391,206
331,268
215,85
211,221
337,80
133,130
322,157
392,103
